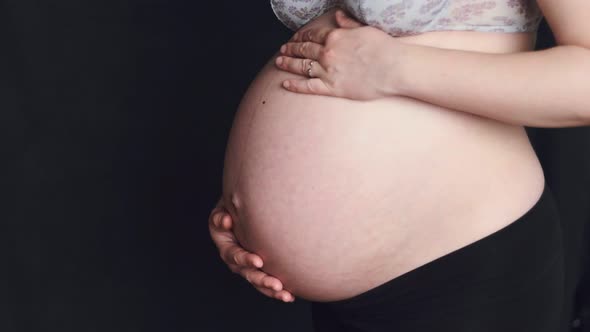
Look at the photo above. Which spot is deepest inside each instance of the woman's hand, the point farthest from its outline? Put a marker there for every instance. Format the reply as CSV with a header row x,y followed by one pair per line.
x,y
354,61
239,260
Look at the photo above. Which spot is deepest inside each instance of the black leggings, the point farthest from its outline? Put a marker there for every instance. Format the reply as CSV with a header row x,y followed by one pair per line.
x,y
509,281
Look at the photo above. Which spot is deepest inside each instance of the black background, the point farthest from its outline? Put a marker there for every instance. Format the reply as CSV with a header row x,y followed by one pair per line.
x,y
115,116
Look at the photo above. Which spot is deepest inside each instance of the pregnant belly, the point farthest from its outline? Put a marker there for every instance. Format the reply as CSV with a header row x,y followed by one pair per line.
x,y
338,196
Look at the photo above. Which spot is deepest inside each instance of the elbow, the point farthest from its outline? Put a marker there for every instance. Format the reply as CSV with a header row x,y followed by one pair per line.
x,y
584,115
581,113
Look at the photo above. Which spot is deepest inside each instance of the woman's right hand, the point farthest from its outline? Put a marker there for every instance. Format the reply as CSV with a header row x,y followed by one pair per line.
x,y
239,260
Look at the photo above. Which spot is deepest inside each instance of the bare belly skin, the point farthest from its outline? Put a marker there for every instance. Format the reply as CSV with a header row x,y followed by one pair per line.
x,y
339,196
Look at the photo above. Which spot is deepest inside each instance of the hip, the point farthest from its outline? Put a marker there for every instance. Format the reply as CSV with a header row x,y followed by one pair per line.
x,y
509,280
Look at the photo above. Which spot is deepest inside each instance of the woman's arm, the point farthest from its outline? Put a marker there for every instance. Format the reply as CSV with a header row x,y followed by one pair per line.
x,y
548,88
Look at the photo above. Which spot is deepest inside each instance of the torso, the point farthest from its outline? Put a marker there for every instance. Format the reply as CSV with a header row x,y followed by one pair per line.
x,y
332,192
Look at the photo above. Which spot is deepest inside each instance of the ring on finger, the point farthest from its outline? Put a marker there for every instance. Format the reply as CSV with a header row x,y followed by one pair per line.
x,y
309,69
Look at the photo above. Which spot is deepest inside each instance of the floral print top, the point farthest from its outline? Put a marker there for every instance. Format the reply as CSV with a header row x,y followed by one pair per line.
x,y
411,17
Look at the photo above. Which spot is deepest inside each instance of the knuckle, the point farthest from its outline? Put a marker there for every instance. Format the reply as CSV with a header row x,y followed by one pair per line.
x,y
236,259
264,281
284,63
227,257
258,278
326,54
268,282
217,219
302,47
244,274
250,278
333,35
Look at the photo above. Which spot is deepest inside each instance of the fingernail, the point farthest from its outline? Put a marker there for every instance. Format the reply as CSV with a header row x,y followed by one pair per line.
x,y
258,264
280,60
283,48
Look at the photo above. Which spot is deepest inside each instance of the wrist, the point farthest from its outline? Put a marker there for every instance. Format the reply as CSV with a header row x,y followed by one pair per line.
x,y
400,73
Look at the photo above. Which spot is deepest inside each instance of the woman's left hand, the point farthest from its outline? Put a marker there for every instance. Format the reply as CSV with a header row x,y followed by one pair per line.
x,y
355,61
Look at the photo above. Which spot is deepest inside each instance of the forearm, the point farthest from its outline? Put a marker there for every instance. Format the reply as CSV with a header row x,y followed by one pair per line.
x,y
548,88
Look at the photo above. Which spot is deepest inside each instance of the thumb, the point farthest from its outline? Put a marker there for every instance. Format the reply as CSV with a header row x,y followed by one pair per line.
x,y
345,21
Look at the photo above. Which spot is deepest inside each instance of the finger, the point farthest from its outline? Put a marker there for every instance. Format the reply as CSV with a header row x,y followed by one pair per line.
x,y
217,219
305,49
235,254
285,296
282,295
221,219
316,35
260,279
224,240
299,66
219,207
214,218
344,20
230,251
268,292
225,221
308,86
214,214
